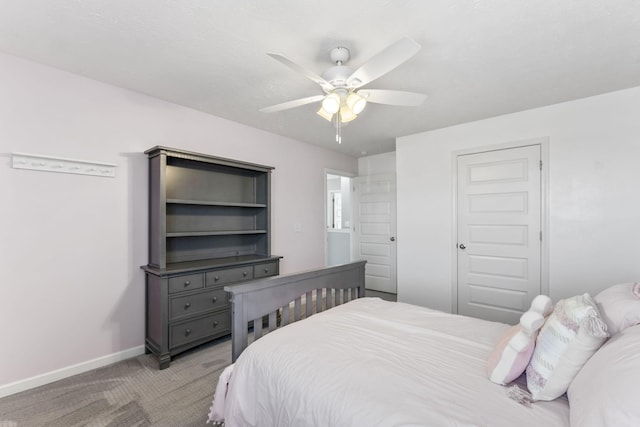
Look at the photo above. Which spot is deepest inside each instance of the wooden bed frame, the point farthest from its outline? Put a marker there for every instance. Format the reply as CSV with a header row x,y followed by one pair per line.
x,y
268,302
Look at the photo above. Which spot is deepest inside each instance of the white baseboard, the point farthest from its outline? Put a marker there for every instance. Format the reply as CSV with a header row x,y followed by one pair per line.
x,y
58,374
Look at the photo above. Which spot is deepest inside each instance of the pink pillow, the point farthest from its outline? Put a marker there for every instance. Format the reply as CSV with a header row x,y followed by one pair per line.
x,y
507,363
619,306
512,353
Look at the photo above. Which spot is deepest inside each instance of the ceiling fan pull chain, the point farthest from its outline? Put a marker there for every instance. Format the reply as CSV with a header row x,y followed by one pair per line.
x,y
338,129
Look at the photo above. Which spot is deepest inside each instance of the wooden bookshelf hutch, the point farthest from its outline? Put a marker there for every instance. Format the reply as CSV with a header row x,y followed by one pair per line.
x,y
209,226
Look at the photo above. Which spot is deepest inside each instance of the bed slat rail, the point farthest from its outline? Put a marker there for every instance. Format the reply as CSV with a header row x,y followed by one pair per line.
x,y
267,298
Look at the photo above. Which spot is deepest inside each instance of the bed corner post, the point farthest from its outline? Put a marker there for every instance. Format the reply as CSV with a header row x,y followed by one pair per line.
x,y
238,325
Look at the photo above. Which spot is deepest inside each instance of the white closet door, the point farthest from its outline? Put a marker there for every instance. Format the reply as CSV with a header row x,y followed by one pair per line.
x,y
499,232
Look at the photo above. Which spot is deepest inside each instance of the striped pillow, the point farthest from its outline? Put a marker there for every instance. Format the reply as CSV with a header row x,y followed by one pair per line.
x,y
569,337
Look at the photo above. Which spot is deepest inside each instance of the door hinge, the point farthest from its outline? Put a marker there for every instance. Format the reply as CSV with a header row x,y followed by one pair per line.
x,y
541,236
540,164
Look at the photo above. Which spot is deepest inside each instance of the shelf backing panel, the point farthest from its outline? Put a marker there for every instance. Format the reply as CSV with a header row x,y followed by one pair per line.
x,y
206,247
187,179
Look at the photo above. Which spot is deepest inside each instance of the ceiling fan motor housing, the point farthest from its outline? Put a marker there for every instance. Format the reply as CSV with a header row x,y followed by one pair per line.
x,y
337,75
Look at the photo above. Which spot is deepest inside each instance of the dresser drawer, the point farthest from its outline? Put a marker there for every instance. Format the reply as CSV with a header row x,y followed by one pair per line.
x,y
193,330
229,275
189,305
186,282
264,270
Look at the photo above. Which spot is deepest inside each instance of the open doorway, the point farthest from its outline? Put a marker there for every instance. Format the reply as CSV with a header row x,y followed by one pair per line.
x,y
338,218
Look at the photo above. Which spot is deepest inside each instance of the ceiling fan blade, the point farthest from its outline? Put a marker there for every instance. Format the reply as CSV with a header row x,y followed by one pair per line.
x,y
393,97
308,74
292,104
383,62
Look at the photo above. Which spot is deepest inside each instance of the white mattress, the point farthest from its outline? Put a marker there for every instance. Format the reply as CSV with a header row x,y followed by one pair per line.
x,y
375,363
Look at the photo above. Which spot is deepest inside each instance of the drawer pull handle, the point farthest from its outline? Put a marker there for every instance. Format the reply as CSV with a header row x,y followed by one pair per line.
x,y
266,270
186,283
214,299
187,332
187,305
215,279
244,273
215,323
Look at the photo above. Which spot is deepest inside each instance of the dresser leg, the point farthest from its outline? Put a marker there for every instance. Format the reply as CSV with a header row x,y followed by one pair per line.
x,y
165,360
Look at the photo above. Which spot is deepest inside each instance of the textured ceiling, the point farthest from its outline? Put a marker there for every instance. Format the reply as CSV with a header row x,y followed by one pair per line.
x,y
478,58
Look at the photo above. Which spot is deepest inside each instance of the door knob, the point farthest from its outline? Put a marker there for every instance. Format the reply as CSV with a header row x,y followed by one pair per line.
x,y
393,239
462,246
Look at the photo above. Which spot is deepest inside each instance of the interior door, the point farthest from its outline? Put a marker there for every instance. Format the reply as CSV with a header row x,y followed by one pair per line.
x,y
376,230
499,232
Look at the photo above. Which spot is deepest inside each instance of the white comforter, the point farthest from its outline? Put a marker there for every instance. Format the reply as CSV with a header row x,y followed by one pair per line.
x,y
374,363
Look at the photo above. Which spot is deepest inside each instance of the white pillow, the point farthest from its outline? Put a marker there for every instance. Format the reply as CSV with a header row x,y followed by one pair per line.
x,y
605,391
569,337
619,306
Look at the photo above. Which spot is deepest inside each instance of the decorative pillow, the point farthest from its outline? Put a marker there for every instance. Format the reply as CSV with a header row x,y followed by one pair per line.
x,y
619,306
605,391
511,355
569,337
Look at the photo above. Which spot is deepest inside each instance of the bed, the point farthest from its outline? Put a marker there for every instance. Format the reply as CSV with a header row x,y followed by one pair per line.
x,y
358,361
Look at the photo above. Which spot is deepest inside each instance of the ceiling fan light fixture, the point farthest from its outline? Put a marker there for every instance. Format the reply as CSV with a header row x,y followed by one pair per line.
x,y
322,113
356,103
346,115
331,103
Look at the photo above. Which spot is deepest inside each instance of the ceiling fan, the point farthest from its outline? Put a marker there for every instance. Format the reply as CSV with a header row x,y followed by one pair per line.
x,y
344,94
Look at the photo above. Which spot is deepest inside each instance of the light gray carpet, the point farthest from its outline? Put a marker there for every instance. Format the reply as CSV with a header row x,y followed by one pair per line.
x,y
128,393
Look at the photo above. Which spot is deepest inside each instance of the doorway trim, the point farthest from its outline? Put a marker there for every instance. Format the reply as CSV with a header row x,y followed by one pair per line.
x,y
543,142
327,172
